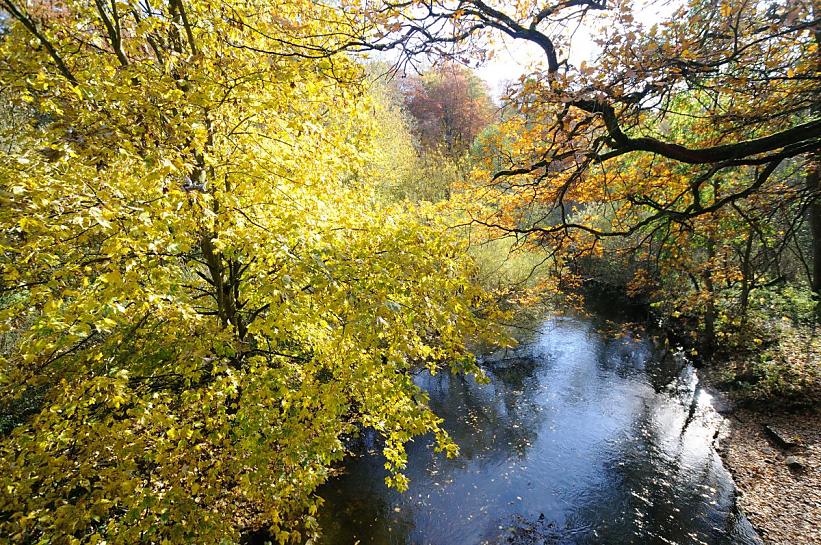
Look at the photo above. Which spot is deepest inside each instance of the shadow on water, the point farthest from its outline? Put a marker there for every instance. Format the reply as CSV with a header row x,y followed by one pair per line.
x,y
585,435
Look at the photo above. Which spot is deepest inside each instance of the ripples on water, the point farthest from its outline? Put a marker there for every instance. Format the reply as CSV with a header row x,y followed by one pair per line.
x,y
582,437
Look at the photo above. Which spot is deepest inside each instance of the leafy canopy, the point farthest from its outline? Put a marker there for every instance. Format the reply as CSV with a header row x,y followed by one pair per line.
x,y
201,296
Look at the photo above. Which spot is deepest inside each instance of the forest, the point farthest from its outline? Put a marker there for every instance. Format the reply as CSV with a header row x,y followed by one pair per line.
x,y
234,235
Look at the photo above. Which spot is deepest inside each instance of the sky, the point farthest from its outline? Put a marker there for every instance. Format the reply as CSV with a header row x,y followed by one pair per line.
x,y
512,58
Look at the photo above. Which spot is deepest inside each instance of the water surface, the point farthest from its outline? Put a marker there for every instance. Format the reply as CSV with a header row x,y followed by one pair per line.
x,y
585,435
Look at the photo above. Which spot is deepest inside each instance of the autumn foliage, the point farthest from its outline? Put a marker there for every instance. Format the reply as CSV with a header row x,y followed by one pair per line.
x,y
202,294
450,106
206,288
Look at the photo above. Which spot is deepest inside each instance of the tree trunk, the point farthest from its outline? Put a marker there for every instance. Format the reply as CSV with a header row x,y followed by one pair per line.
x,y
708,332
814,184
747,272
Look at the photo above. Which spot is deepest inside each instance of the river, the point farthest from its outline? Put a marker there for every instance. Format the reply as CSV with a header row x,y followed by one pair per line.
x,y
586,434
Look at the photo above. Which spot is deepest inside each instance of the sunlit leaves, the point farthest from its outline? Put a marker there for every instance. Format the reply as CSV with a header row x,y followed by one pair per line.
x,y
203,296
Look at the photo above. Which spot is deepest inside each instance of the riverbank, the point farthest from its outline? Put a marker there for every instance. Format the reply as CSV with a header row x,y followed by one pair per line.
x,y
772,445
775,460
767,383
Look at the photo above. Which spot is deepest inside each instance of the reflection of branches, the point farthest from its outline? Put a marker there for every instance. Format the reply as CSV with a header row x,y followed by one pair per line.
x,y
487,429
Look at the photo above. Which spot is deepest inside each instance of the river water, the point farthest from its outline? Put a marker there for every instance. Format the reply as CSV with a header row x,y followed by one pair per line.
x,y
586,434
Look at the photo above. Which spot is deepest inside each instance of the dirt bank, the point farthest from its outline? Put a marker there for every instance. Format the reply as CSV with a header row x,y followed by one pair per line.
x,y
775,459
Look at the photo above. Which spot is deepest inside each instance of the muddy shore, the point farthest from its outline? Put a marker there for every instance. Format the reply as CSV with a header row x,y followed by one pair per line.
x,y
775,460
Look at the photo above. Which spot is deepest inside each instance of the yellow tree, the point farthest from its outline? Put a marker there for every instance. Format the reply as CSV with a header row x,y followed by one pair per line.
x,y
201,296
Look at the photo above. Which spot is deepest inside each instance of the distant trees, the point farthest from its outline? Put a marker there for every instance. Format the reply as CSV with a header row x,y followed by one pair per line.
x,y
450,105
427,124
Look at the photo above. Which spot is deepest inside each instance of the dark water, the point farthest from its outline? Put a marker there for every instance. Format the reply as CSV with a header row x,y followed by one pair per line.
x,y
582,437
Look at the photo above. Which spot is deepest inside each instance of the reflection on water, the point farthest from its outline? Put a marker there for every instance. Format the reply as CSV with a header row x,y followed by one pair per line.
x,y
582,437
